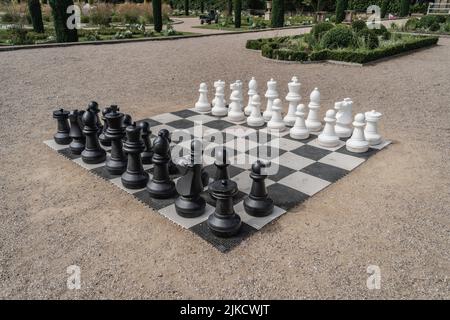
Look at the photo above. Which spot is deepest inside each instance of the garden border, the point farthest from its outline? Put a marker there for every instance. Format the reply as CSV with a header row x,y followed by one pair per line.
x,y
107,42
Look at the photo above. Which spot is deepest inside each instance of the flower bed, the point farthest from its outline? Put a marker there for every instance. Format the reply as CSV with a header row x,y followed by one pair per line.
x,y
434,24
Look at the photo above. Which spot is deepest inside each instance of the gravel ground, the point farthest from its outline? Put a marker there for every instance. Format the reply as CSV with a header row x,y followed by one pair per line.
x,y
392,212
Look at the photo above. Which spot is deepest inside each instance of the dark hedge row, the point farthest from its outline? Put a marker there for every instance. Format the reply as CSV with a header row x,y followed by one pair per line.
x,y
270,48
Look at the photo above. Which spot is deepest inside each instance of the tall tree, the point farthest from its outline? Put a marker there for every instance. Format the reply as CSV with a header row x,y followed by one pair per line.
x,y
229,7
157,15
34,6
341,6
186,7
60,17
277,13
384,8
237,13
404,8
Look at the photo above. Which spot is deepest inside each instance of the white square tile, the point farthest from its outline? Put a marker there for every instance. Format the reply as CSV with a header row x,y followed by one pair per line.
x,y
275,132
201,118
305,183
315,143
241,144
87,166
180,134
243,161
341,160
285,144
240,131
118,182
257,222
171,214
244,181
294,161
382,145
52,144
166,118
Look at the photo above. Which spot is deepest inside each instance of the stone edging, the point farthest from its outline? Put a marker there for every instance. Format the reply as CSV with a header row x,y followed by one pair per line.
x,y
106,42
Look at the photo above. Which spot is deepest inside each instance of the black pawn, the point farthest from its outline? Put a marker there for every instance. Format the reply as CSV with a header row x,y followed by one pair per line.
x,y
92,152
190,204
258,203
102,138
134,177
221,164
160,186
62,135
224,222
78,139
172,167
93,106
116,163
147,154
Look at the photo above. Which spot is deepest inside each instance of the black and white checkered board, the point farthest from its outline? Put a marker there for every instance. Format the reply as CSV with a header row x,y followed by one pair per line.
x,y
305,168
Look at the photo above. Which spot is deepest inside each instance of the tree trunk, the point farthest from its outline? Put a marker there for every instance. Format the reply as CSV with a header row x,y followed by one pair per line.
x,y
230,7
237,13
157,15
34,6
277,13
60,17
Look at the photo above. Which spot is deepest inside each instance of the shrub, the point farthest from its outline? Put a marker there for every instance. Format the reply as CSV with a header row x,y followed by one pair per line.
x,y
370,38
383,32
290,55
359,25
19,36
268,48
412,24
447,27
435,27
129,12
101,14
338,37
319,29
427,21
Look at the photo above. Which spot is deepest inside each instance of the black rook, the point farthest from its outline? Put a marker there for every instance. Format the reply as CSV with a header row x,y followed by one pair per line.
x,y
62,135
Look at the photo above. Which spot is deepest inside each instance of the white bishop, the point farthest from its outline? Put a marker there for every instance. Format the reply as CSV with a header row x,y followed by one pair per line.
x,y
252,90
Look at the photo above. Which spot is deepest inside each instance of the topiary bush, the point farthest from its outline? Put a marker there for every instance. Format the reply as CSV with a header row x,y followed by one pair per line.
x,y
427,21
383,32
412,24
339,37
370,38
319,29
435,27
359,25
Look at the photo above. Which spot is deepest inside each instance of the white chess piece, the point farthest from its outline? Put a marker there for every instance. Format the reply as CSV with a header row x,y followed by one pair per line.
x,y
293,97
299,130
344,118
313,122
276,123
255,119
371,130
328,137
235,113
271,95
202,105
219,108
241,94
216,84
358,143
252,90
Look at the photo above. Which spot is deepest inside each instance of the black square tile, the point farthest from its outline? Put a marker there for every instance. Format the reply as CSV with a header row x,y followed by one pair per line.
x,y
325,171
102,172
305,141
281,173
181,124
185,113
152,123
232,170
311,152
68,154
260,137
219,124
222,244
364,155
265,152
285,197
219,137
156,204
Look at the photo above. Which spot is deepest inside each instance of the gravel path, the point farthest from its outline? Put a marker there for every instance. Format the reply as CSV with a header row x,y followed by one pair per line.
x,y
189,23
392,212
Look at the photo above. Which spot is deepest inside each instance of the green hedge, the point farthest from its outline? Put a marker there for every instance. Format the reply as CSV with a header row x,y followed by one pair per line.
x,y
270,48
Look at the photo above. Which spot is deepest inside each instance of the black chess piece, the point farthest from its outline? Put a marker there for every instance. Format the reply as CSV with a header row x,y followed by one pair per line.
x,y
93,106
172,167
116,163
134,177
92,152
258,203
126,121
160,186
224,222
147,154
222,162
190,204
102,137
62,136
78,139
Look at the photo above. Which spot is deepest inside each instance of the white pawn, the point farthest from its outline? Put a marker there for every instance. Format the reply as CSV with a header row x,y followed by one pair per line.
x,y
313,122
255,119
271,95
216,84
357,143
328,137
276,123
293,97
235,113
252,90
371,130
219,108
202,105
344,118
299,130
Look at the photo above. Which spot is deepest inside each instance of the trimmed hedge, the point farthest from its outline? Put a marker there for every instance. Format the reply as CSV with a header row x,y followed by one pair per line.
x,y
270,48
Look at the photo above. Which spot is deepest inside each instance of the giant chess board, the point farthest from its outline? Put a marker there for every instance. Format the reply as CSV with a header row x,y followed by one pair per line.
x,y
304,168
